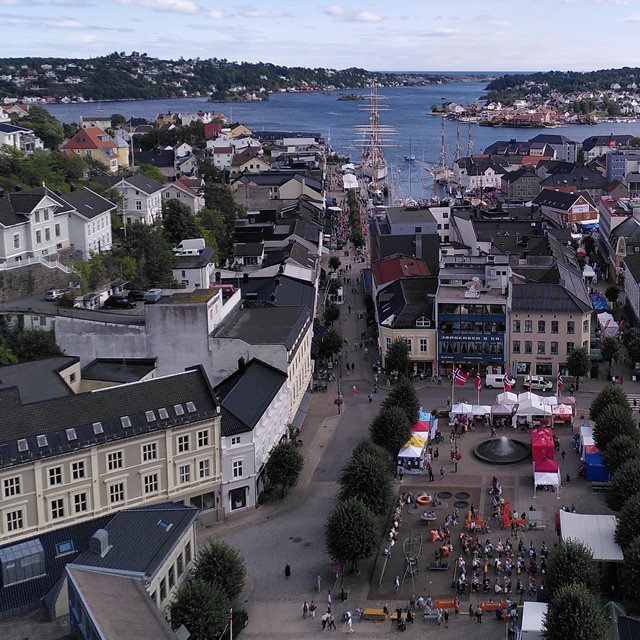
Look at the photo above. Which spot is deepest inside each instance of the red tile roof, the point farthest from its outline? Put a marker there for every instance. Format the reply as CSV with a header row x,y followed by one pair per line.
x,y
212,129
396,267
91,138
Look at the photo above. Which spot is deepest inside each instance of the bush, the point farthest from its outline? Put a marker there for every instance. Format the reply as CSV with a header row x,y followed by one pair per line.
x,y
218,563
403,395
628,524
624,484
284,465
367,447
571,561
630,573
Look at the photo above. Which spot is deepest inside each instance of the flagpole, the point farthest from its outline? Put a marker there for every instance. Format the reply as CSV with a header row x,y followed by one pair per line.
x,y
453,381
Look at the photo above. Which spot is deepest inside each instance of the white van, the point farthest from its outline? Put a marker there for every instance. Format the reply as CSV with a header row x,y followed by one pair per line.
x,y
496,381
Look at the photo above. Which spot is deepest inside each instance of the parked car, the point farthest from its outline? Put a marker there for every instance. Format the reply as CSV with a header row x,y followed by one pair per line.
x,y
118,302
136,294
53,295
537,383
152,296
496,381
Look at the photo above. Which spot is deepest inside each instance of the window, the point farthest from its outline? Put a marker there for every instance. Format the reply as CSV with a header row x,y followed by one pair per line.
x,y
585,345
183,443
72,378
57,230
516,346
37,216
187,553
184,473
171,577
116,492
80,502
585,326
149,452
204,468
554,326
571,327
138,205
409,344
57,509
55,476
46,214
163,590
12,487
179,565
554,349
388,342
541,347
237,468
77,470
424,345
151,483
114,461
527,346
203,439
570,347
423,322
528,326
516,326
542,326
38,237
47,234
16,240
65,548
235,440
15,520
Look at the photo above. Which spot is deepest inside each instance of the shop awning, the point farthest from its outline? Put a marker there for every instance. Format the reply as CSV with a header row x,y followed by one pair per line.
x,y
301,413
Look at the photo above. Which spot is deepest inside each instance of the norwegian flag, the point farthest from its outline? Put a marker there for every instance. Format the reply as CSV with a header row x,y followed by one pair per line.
x,y
560,382
478,382
459,376
505,382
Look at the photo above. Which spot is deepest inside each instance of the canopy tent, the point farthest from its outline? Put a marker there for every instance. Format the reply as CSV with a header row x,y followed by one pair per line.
x,y
588,272
595,470
426,424
530,408
599,302
562,412
501,410
411,456
345,168
595,531
546,472
529,395
507,397
462,409
542,445
480,410
349,181
533,615
568,400
608,325
587,443
421,429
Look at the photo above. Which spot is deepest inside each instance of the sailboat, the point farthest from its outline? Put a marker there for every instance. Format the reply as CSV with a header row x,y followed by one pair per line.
x,y
411,157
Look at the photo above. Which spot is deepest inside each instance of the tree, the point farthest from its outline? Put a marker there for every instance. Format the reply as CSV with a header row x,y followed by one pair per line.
x,y
589,245
44,125
366,446
218,563
574,614
403,395
351,533
284,465
611,394
331,313
368,479
571,561
618,451
610,348
6,355
96,270
397,356
579,364
178,222
631,340
334,263
202,608
612,293
628,524
34,344
117,119
149,171
614,421
631,571
624,484
390,429
330,344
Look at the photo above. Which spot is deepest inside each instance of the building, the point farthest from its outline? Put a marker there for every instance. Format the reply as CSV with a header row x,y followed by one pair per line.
x,y
194,271
188,191
43,379
95,122
221,155
254,419
567,208
624,165
473,301
249,160
632,283
586,179
480,173
142,197
96,144
595,146
89,221
520,185
68,459
564,148
19,138
618,236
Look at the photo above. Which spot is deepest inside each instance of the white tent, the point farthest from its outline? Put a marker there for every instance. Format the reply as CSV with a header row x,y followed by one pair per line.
x,y
533,614
588,272
481,410
529,395
608,325
345,168
462,409
533,408
595,531
506,397
349,181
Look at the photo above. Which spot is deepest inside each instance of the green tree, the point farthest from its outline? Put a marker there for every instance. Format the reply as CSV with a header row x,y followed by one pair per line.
x,y
178,222
574,614
367,478
612,293
390,429
97,271
330,344
147,245
366,446
149,171
618,451
610,347
284,465
403,395
611,394
571,561
74,167
624,484
218,563
117,119
202,608
397,356
44,125
628,524
630,573
631,340
351,533
331,313
211,225
589,245
334,263
6,355
579,364
34,344
614,421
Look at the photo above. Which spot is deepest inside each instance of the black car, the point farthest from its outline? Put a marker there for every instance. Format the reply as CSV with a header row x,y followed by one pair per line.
x,y
136,294
118,302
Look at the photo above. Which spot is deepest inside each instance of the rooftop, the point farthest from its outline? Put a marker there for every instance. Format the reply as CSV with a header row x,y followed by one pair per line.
x,y
396,267
119,370
194,262
39,380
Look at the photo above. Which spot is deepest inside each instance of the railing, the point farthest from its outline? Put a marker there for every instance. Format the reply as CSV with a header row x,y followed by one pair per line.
x,y
51,264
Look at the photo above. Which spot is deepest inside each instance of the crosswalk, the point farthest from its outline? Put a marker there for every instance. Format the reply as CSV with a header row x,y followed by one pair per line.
x,y
634,401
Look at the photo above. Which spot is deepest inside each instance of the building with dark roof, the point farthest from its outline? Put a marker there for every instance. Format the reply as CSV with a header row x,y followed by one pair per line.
x,y
595,146
142,196
632,283
521,185
42,379
254,419
569,207
108,372
194,270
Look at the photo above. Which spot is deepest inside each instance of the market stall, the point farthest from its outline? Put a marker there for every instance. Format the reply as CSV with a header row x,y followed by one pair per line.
x,y
546,473
542,445
411,456
532,412
607,324
507,397
562,413
587,443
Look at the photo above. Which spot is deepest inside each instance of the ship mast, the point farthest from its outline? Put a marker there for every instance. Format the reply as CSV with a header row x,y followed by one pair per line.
x,y
469,141
442,158
458,149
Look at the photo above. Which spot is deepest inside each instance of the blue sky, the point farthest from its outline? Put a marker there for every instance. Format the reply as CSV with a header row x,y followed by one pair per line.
x,y
374,34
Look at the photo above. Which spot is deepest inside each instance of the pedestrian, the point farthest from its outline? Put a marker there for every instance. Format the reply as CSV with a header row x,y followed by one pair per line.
x,y
332,622
325,619
349,308
446,618
354,390
563,454
329,597
318,582
493,431
439,380
471,613
479,614
430,470
375,388
370,396
568,478
396,584
312,609
305,609
287,570
441,473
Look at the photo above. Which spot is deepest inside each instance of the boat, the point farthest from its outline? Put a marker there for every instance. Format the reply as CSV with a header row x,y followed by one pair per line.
x,y
410,158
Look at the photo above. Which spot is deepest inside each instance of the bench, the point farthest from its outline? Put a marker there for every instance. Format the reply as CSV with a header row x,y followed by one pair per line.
x,y
438,566
448,603
492,606
377,615
394,616
600,486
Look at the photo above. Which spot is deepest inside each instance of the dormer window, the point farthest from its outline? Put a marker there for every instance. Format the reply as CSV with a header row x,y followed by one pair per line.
x,y
423,322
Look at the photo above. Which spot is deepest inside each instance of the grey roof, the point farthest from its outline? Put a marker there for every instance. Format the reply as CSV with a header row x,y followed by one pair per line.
x,y
156,158
487,230
248,249
523,172
407,300
194,262
118,370
15,207
55,417
580,177
140,540
120,606
12,128
88,203
410,215
598,141
140,182
552,138
246,394
39,380
629,230
560,199
541,297
633,262
265,325
281,290
479,166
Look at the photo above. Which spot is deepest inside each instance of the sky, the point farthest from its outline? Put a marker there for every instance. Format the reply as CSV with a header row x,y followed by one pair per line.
x,y
411,35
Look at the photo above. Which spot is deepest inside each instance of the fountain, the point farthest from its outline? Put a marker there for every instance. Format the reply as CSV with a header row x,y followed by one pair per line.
x,y
502,451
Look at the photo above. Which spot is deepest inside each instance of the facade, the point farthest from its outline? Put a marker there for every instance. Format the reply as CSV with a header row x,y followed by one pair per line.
x,y
19,138
618,234
187,191
567,208
249,160
67,460
595,146
142,197
632,283
522,184
194,271
480,173
622,162
564,148
222,155
96,144
89,221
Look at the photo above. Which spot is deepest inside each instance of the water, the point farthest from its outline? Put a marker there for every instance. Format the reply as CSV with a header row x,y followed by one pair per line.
x,y
408,113
502,450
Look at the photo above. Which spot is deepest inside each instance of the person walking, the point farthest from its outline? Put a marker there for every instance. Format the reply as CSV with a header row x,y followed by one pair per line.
x,y
446,618
479,614
370,396
287,571
349,309
318,582
354,390
396,584
332,622
325,619
312,609
305,610
329,597
441,473
430,470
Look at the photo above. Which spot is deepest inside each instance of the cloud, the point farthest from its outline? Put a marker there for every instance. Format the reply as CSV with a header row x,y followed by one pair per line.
x,y
335,10
251,12
215,14
635,18
367,16
339,12
18,3
165,6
